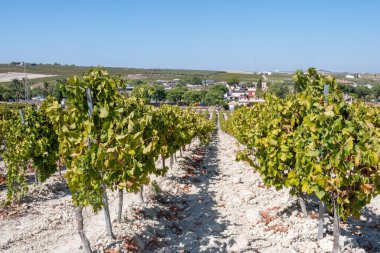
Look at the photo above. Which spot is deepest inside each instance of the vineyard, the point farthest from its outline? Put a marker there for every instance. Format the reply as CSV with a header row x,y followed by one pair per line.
x,y
315,144
109,173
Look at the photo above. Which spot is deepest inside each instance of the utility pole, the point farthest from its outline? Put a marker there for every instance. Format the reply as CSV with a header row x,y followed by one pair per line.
x,y
26,84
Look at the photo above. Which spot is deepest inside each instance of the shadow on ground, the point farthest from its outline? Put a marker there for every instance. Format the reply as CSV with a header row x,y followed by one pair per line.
x,y
188,221
366,231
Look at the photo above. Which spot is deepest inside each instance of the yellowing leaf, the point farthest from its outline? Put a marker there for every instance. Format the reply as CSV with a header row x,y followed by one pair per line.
x,y
103,113
329,113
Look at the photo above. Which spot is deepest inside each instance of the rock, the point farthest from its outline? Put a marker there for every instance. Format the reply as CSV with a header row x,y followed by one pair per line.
x,y
262,243
293,219
139,243
305,246
25,206
246,195
213,242
273,223
101,249
243,240
190,238
167,250
236,201
192,198
236,180
347,244
238,244
253,215
286,243
150,213
181,206
167,185
293,250
325,245
311,247
217,228
355,243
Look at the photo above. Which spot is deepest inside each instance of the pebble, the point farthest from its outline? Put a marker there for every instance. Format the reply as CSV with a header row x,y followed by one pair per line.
x,y
236,180
189,238
139,243
253,215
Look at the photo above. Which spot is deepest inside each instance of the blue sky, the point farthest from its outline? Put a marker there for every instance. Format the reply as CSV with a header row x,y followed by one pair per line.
x,y
200,34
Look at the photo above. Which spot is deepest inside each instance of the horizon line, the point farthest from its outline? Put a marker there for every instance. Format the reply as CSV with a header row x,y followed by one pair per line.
x,y
230,71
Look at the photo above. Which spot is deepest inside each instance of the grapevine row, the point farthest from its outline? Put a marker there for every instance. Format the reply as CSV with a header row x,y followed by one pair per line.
x,y
314,143
105,140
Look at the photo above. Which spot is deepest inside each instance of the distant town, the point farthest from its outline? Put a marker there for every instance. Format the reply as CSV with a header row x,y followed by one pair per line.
x,y
30,81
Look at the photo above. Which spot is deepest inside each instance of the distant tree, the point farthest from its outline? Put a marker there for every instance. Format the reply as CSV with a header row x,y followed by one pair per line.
x,y
149,92
17,88
136,82
376,90
158,93
218,88
194,96
46,89
196,80
175,95
6,96
345,88
184,81
234,80
259,85
215,94
2,91
279,89
213,98
362,92
249,85
259,89
5,92
37,91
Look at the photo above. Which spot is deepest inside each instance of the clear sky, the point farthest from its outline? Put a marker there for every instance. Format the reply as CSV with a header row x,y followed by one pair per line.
x,y
199,34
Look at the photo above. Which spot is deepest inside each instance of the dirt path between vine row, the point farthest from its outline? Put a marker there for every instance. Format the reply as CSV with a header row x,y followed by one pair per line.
x,y
208,202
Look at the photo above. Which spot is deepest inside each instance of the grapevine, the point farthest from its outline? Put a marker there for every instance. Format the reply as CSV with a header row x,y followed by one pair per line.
x,y
314,144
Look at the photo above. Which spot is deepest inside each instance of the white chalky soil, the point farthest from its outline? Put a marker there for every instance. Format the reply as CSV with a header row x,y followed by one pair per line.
x,y
208,202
